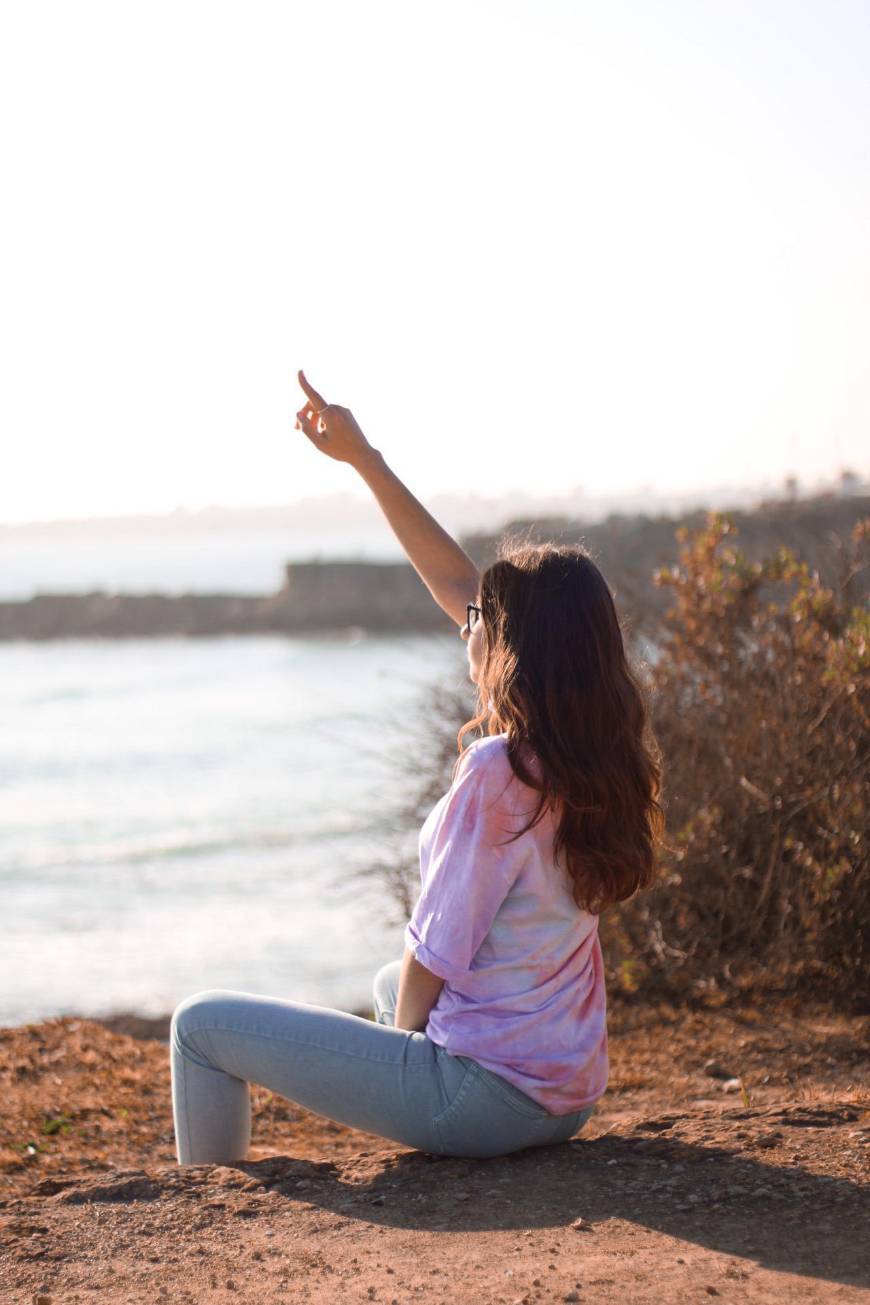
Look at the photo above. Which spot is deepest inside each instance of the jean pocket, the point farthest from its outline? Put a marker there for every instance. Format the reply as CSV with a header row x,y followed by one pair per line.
x,y
513,1096
471,1071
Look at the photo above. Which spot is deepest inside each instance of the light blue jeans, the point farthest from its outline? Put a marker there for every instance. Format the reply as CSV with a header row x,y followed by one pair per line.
x,y
367,1074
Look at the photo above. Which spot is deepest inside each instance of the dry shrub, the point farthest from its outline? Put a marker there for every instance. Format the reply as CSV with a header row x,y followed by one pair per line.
x,y
760,705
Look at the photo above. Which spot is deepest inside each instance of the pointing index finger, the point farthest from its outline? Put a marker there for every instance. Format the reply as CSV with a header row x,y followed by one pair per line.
x,y
317,400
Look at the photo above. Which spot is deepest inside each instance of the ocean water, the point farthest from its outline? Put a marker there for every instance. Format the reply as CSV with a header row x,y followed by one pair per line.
x,y
186,814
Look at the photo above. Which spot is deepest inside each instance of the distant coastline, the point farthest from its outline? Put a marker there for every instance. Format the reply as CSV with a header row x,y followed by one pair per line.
x,y
315,596
389,597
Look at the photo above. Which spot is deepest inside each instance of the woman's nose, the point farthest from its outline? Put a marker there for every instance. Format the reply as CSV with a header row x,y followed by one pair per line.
x,y
464,632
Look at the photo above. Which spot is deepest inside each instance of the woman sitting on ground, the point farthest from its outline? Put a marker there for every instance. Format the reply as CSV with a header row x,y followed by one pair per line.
x,y
490,1033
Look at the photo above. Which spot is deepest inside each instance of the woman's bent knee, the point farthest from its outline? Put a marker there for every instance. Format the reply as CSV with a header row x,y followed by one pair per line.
x,y
194,1012
387,975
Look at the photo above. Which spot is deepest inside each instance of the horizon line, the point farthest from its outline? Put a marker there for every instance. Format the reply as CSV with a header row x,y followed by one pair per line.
x,y
779,490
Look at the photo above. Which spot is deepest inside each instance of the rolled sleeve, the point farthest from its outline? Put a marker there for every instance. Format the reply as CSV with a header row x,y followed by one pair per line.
x,y
466,875
426,957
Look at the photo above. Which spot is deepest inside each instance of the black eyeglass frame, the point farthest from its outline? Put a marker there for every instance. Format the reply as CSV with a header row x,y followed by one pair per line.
x,y
469,608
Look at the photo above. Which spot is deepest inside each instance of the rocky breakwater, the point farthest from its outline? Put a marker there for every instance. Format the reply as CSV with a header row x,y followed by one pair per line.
x,y
315,596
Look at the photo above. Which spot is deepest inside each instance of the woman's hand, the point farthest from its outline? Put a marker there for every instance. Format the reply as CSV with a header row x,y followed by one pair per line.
x,y
331,429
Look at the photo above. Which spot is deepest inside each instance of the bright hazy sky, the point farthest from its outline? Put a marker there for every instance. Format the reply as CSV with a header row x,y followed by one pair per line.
x,y
531,245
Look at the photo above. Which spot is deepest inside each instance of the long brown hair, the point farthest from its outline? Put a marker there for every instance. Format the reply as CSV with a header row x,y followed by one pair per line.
x,y
555,678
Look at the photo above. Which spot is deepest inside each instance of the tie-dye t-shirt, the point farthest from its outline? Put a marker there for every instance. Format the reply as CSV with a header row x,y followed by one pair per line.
x,y
524,981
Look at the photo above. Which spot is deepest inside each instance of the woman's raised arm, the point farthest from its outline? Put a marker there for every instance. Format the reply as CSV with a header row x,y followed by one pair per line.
x,y
446,570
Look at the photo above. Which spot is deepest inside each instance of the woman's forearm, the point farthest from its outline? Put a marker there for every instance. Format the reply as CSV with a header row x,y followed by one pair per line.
x,y
419,990
446,570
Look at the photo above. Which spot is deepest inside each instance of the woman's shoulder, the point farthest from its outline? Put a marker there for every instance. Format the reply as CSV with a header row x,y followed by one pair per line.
x,y
492,751
487,760
487,754
490,745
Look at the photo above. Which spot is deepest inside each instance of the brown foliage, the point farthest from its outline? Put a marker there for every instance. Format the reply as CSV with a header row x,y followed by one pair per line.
x,y
760,706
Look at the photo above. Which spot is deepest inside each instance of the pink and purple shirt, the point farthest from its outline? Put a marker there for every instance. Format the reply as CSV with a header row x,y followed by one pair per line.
x,y
524,980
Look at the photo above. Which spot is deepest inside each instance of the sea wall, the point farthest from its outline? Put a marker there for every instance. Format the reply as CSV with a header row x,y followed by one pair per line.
x,y
374,595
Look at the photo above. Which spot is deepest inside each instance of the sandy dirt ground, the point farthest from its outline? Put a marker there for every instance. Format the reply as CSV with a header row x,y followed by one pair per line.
x,y
729,1159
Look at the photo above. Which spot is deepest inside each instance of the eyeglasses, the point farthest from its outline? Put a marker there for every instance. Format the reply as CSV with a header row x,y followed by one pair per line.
x,y
472,615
